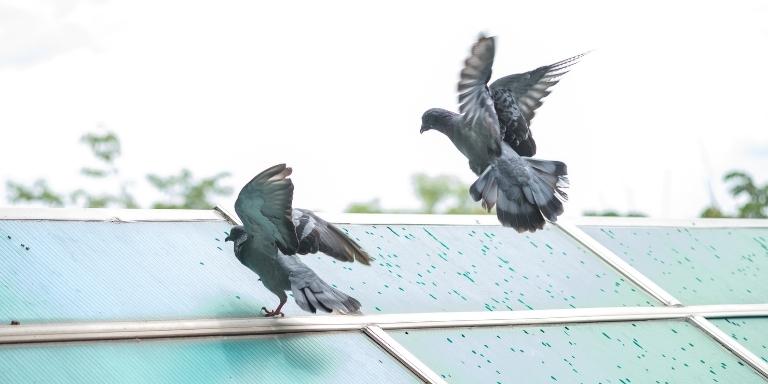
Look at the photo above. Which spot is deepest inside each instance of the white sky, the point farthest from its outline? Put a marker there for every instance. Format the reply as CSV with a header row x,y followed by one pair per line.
x,y
673,96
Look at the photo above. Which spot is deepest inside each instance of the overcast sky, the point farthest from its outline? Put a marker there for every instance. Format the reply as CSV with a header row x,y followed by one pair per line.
x,y
672,97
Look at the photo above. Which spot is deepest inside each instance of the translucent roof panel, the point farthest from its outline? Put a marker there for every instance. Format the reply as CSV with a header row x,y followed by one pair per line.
x,y
695,265
750,332
431,268
68,270
74,271
309,358
640,352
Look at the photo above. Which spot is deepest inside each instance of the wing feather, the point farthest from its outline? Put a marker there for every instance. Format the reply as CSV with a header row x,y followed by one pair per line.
x,y
516,98
316,234
264,206
475,101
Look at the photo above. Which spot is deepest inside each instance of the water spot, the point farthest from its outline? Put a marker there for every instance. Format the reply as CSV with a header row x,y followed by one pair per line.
x,y
435,238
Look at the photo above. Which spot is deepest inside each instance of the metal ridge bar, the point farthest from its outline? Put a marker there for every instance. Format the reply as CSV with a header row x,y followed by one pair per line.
x,y
122,214
109,214
403,355
619,264
109,330
407,219
232,219
730,344
654,222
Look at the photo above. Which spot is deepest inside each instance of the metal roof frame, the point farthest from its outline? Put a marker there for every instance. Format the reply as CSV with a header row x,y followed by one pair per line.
x,y
220,213
120,215
145,329
374,326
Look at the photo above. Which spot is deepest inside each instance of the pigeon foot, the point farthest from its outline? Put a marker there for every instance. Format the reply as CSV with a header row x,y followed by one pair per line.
x,y
275,313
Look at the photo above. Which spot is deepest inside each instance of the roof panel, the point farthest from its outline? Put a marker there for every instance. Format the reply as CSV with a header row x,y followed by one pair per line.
x,y
639,352
750,332
431,268
695,265
76,270
70,270
307,358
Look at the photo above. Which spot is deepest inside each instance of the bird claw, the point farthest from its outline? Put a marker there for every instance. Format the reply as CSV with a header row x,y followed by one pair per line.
x,y
275,313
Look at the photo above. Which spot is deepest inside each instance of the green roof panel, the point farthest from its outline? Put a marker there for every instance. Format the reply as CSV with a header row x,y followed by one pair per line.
x,y
437,268
695,265
301,358
91,271
752,332
621,353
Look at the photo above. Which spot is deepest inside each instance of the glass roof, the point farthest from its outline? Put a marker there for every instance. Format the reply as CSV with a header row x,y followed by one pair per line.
x,y
189,271
54,271
306,358
637,352
123,271
752,332
695,265
429,268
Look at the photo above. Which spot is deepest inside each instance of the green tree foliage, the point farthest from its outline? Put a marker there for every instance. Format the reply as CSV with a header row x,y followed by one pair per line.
x,y
712,212
370,206
181,191
39,191
613,213
742,186
444,194
437,194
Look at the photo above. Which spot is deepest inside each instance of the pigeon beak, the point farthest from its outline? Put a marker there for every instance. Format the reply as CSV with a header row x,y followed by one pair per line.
x,y
228,238
423,129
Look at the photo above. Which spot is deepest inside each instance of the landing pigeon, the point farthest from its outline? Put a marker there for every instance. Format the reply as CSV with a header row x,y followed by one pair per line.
x,y
492,131
270,225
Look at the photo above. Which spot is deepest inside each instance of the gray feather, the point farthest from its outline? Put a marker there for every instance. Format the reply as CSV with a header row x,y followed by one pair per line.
x,y
493,132
271,224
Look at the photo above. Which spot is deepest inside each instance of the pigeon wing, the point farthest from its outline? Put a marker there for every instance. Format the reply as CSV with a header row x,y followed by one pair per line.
x,y
264,206
475,101
516,98
316,234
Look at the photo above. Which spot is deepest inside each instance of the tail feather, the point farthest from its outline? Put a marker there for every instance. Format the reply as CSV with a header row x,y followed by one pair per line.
x,y
485,188
319,295
524,207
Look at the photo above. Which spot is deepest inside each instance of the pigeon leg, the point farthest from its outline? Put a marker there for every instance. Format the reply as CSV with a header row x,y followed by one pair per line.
x,y
277,311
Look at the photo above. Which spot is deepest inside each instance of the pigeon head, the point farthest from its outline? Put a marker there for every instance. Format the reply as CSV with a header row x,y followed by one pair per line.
x,y
438,119
236,233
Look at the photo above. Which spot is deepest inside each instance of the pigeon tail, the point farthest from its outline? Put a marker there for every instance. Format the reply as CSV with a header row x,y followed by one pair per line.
x,y
524,207
319,295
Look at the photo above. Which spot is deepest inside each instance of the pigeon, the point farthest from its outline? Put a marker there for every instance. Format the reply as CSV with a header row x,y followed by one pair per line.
x,y
273,234
492,132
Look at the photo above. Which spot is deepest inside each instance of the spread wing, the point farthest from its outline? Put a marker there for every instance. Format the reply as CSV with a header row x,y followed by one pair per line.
x,y
316,234
475,101
516,98
264,206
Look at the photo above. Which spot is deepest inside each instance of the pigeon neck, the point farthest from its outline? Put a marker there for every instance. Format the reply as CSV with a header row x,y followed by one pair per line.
x,y
446,129
240,240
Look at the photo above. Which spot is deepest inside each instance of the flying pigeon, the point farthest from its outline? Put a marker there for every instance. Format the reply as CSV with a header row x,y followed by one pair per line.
x,y
270,225
492,131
